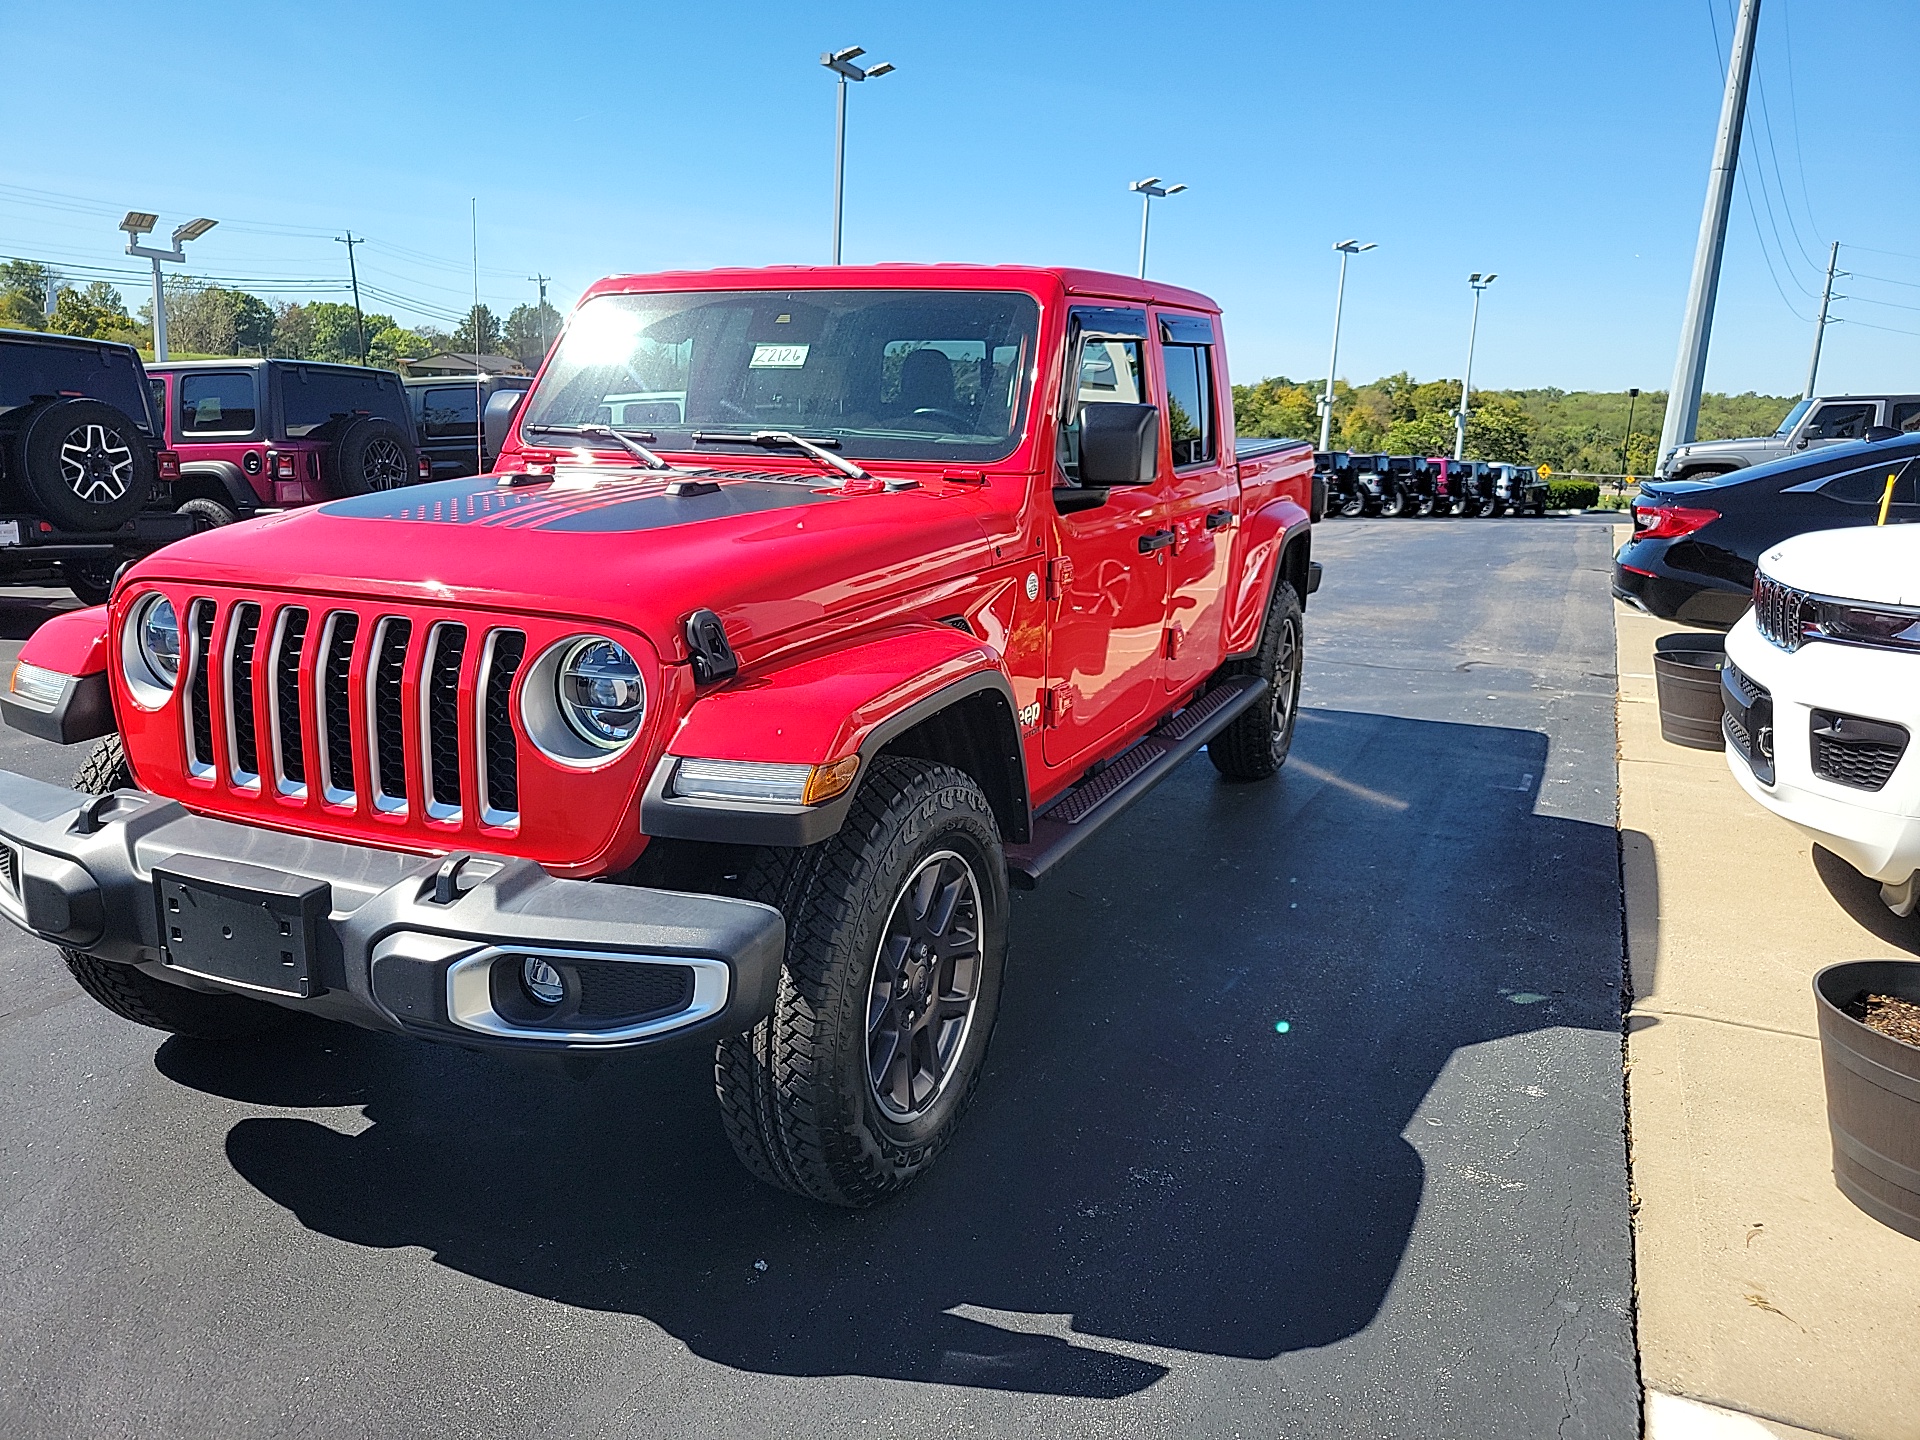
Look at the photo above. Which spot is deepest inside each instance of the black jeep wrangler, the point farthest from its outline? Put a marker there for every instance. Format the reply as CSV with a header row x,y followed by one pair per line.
x,y
86,481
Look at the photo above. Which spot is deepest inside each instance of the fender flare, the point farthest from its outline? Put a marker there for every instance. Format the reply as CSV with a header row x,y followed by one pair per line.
x,y
948,669
1279,545
227,476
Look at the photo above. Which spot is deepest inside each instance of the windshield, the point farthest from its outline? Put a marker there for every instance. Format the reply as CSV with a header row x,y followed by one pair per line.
x,y
1793,417
901,374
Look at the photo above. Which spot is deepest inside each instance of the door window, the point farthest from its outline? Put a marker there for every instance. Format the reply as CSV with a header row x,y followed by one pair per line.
x,y
1841,422
1111,346
1190,419
216,402
449,414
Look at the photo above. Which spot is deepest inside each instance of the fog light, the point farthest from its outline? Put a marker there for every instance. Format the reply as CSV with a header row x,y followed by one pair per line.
x,y
542,981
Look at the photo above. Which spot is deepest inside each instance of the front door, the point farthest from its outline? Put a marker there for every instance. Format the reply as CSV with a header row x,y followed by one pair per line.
x,y
1202,489
1108,577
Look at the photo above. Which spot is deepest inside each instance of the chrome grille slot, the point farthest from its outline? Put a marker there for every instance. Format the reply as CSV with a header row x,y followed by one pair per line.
x,y
440,716
199,711
243,751
335,732
499,752
386,732
289,644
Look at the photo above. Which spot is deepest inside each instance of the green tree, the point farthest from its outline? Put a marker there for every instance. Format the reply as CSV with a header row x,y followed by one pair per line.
x,y
252,323
24,285
96,313
1276,407
478,334
530,329
394,344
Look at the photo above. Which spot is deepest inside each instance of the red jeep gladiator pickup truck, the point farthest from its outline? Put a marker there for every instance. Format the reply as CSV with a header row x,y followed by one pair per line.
x,y
805,611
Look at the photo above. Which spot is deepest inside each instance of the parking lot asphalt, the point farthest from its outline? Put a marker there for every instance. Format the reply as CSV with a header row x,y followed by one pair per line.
x,y
1303,1118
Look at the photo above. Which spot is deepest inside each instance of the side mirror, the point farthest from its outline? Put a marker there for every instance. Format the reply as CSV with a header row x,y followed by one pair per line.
x,y
1119,444
1877,433
502,406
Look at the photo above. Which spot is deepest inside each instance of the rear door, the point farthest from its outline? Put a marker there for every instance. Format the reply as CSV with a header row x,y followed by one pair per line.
x,y
1108,575
1201,486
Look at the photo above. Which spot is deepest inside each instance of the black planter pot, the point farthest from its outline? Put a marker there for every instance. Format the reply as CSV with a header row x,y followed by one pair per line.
x,y
1873,1092
1686,671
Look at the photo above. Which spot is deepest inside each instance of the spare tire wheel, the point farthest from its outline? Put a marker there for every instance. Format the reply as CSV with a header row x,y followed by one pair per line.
x,y
85,465
372,454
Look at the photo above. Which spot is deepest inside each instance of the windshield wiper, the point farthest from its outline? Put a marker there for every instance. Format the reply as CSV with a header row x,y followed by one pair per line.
x,y
627,440
787,440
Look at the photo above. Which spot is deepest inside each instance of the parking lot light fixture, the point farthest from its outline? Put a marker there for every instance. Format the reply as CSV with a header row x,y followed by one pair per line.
x,y
1148,189
141,222
841,62
1348,249
1479,283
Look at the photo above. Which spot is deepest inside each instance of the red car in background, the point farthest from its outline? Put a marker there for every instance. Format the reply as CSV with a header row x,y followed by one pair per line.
x,y
254,434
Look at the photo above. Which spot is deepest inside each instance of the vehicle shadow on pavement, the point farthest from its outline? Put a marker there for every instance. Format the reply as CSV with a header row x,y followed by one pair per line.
x,y
1860,898
1221,1017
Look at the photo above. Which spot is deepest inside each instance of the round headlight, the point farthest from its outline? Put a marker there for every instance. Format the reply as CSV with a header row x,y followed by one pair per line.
x,y
601,693
159,640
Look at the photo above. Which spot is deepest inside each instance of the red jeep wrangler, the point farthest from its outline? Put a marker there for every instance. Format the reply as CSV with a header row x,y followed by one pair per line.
x,y
806,610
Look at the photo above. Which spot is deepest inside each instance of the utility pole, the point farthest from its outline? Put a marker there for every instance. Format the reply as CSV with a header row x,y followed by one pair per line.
x,y
541,281
1479,283
359,321
841,63
1626,443
1827,297
1690,366
1348,249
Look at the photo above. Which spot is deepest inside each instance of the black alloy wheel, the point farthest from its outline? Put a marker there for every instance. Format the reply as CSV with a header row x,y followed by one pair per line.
x,y
386,465
926,983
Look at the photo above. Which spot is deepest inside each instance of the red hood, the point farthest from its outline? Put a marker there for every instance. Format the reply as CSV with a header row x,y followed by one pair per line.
x,y
766,553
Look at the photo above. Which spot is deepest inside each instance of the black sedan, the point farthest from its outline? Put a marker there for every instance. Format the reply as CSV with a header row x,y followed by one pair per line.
x,y
1695,542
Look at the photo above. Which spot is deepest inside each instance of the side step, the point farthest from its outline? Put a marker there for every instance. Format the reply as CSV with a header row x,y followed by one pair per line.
x,y
1072,819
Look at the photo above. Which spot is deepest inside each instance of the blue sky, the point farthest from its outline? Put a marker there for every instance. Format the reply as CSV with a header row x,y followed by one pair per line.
x,y
1562,145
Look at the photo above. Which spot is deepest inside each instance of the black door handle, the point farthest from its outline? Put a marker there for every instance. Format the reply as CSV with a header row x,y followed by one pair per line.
x,y
1157,540
1219,519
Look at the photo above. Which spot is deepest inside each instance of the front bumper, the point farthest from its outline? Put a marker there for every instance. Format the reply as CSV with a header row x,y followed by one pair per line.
x,y
418,944
1875,831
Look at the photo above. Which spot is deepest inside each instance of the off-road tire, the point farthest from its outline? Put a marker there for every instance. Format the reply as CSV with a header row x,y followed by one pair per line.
x,y
90,580
372,454
1354,504
795,1092
1255,746
133,994
83,465
1393,502
207,514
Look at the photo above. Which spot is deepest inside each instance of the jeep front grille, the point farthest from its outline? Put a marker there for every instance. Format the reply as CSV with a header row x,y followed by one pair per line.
x,y
379,709
1780,612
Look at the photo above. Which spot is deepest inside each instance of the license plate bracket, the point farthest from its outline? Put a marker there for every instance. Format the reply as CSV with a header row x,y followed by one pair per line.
x,y
240,924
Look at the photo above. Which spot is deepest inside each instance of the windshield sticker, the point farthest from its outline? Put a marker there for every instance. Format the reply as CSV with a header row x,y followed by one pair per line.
x,y
778,357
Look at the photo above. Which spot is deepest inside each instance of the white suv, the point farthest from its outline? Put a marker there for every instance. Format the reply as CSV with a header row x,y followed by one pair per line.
x,y
1823,697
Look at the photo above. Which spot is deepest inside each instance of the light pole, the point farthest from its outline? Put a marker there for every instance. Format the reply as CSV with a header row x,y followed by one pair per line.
x,y
138,223
1348,249
1148,189
1479,283
1626,443
841,63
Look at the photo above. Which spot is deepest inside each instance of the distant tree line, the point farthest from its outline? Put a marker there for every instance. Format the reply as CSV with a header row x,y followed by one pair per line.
x,y
213,320
1571,430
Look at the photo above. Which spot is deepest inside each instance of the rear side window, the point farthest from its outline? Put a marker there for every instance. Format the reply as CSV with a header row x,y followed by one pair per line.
x,y
449,414
219,402
1906,416
1190,417
311,398
1868,485
28,371
1841,422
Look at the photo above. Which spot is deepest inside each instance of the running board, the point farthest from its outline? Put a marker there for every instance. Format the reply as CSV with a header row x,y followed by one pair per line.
x,y
1073,819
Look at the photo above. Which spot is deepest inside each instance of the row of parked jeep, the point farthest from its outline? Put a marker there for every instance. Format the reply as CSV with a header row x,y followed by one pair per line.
x,y
104,459
1418,485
